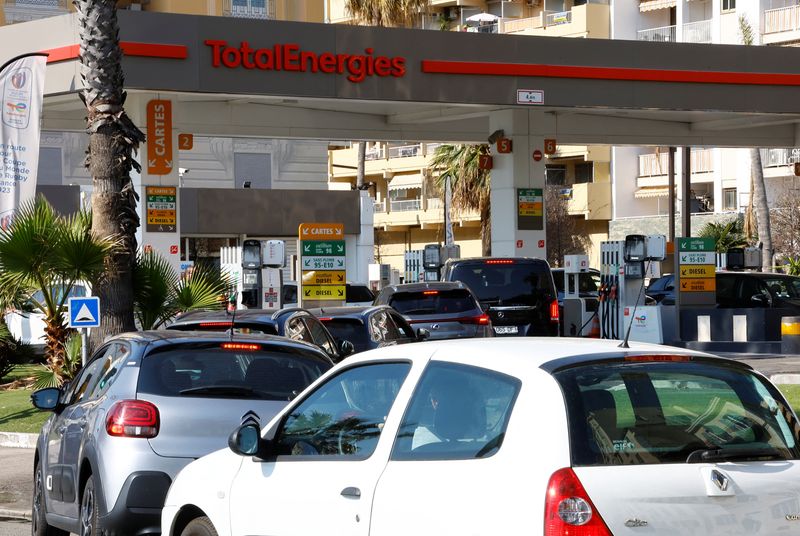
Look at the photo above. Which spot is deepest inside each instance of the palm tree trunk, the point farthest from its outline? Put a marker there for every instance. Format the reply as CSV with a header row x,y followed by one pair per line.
x,y
113,138
759,194
56,336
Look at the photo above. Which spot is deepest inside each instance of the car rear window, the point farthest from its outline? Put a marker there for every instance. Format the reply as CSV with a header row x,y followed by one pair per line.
x,y
430,302
634,413
588,282
359,293
246,371
348,329
522,283
223,327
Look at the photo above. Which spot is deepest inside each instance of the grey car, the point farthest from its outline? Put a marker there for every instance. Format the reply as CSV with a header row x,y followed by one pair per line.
x,y
143,407
447,310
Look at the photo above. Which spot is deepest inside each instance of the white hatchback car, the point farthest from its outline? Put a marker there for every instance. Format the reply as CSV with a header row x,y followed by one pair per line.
x,y
509,436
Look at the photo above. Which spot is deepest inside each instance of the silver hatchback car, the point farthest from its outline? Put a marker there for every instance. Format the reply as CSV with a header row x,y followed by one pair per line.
x,y
143,407
447,310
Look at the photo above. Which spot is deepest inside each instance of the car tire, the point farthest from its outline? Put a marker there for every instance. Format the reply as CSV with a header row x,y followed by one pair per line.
x,y
199,526
39,526
88,516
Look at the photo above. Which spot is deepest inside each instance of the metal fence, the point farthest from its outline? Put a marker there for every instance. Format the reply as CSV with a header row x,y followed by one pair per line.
x,y
697,32
665,33
784,19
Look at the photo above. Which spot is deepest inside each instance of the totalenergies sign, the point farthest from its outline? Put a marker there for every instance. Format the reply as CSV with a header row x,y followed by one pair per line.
x,y
290,57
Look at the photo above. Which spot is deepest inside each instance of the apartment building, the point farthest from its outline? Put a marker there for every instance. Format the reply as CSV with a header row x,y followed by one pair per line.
x,y
409,211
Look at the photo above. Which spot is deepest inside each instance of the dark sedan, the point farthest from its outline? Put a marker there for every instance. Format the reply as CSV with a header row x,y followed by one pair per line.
x,y
295,323
367,327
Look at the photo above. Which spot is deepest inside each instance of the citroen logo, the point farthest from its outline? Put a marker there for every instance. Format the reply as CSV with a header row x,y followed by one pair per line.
x,y
636,522
792,517
720,480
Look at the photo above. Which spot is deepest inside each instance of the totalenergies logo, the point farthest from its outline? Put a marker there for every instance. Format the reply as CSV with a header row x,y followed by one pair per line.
x,y
18,107
290,57
641,320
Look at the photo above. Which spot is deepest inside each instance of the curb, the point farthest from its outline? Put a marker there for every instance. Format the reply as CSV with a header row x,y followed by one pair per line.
x,y
18,440
15,514
785,378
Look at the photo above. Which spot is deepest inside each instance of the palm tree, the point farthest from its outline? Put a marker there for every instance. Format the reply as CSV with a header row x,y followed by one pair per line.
x,y
381,13
726,235
113,138
42,256
160,294
470,184
758,189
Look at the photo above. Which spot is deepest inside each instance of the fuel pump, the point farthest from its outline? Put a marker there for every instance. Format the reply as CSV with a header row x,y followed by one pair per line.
x,y
579,311
255,267
251,274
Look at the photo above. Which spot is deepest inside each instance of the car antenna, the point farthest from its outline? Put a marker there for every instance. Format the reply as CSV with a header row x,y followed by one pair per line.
x,y
624,343
231,310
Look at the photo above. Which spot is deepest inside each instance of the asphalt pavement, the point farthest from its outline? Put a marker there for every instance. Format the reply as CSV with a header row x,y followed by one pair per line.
x,y
15,527
16,479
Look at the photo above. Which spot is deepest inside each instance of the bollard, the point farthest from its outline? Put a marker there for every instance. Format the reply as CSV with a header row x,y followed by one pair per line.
x,y
790,334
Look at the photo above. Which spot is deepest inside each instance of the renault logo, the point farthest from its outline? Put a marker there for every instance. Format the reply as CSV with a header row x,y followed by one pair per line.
x,y
720,480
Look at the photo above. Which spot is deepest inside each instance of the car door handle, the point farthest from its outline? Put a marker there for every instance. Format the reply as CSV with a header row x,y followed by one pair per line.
x,y
351,492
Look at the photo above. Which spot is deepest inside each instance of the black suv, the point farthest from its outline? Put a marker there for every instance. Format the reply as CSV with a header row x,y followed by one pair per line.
x,y
518,293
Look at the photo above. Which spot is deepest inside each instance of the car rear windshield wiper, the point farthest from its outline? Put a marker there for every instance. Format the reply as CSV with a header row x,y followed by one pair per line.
x,y
715,454
221,390
420,312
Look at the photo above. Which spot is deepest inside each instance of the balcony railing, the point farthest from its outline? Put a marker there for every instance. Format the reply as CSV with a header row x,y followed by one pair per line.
x,y
655,165
406,205
784,19
27,10
249,9
380,207
779,157
663,34
520,25
376,152
697,32
485,28
405,151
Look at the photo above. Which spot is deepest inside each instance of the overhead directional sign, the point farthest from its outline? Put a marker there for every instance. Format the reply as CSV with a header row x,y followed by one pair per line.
x,y
322,261
324,277
696,266
327,247
84,312
323,292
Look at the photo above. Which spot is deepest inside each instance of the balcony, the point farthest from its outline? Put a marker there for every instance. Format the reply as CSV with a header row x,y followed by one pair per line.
x,y
592,200
588,20
249,9
405,151
379,206
27,10
406,205
654,167
697,32
781,24
662,34
418,212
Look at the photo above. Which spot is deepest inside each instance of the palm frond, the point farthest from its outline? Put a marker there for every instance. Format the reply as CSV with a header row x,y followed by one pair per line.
x,y
154,282
202,289
386,12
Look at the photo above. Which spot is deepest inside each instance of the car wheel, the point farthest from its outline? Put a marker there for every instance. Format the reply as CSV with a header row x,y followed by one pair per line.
x,y
199,526
39,526
89,513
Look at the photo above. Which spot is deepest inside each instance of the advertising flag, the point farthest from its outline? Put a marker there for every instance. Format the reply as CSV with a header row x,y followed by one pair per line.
x,y
22,86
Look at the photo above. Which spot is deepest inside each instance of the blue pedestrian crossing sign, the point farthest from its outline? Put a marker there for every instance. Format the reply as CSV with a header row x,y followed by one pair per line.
x,y
84,312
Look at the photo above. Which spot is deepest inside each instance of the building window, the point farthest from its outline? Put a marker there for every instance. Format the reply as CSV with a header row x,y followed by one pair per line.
x,y
584,172
729,199
728,5
556,175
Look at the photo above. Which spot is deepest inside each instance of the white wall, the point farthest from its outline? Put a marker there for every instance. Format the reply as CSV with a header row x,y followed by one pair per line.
x,y
624,19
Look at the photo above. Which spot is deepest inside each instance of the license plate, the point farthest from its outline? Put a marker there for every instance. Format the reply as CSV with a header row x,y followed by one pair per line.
x,y
502,330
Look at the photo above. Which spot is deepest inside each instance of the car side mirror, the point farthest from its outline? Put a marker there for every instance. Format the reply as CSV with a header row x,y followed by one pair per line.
x,y
423,334
346,348
246,440
46,399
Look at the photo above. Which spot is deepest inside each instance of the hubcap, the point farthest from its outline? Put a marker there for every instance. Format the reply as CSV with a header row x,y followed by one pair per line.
x,y
87,512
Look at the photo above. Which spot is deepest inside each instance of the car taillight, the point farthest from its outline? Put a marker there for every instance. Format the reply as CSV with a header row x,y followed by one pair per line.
x,y
657,358
481,320
554,313
500,261
430,292
132,418
568,508
324,318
